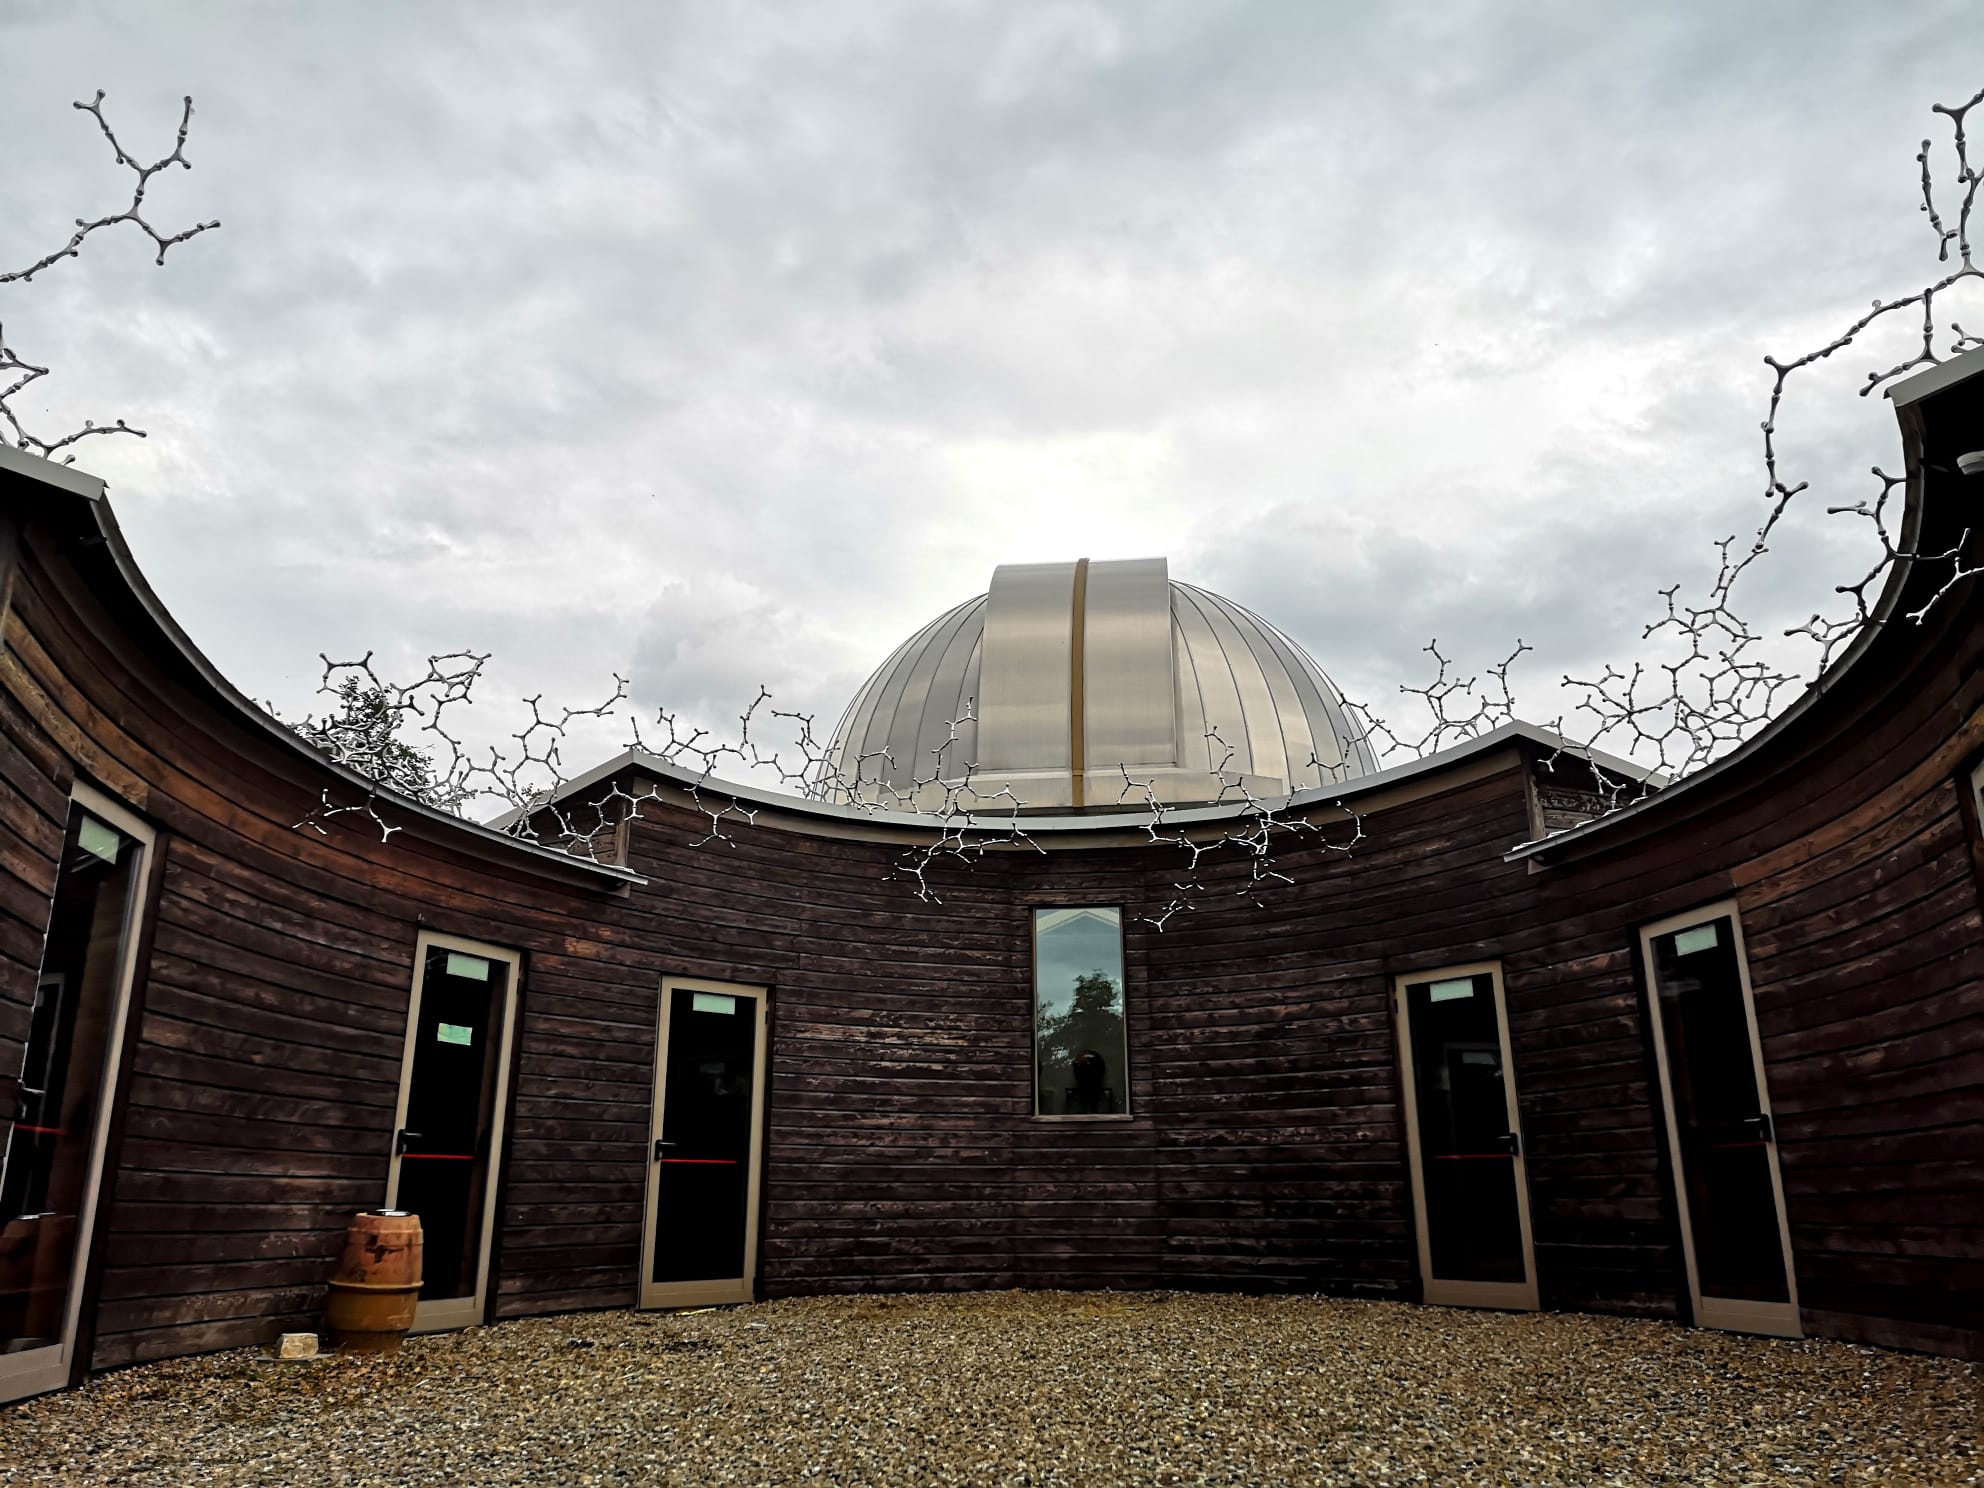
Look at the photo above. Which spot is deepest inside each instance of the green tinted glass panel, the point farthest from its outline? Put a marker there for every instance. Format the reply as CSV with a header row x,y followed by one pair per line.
x,y
1467,1152
1719,1115
1081,1050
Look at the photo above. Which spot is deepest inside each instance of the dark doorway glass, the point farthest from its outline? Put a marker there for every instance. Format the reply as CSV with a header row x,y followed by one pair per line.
x,y
703,1157
1725,1137
444,1147
64,1064
1467,1151
1080,1047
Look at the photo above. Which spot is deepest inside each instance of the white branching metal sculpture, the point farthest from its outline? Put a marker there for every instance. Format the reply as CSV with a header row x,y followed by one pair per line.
x,y
1260,824
1456,708
1672,715
1714,687
1717,689
17,373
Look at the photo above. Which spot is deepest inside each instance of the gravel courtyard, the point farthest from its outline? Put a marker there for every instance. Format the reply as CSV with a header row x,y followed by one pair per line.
x,y
1026,1388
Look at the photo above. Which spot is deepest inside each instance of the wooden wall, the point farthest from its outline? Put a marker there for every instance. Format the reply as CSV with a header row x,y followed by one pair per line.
x,y
1262,1147
1855,876
258,1094
1265,1148
1274,1046
1852,850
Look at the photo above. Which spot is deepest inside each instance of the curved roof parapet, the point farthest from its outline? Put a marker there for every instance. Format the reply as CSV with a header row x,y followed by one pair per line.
x,y
1092,686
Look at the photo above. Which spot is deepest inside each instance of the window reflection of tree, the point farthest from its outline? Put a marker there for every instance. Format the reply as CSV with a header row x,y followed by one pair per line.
x,y
1076,1046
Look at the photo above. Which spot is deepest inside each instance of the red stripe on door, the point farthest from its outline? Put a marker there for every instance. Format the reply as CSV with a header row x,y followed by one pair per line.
x,y
438,1156
706,1162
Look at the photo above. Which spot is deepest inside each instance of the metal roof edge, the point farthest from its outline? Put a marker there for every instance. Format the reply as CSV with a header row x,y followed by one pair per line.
x,y
492,834
1110,821
1944,374
51,473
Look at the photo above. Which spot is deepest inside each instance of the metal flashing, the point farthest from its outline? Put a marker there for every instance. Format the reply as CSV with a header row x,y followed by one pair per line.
x,y
1935,379
51,473
1098,823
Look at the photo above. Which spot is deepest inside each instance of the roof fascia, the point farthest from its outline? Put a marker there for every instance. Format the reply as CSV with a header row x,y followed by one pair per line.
x,y
51,473
1944,374
1096,822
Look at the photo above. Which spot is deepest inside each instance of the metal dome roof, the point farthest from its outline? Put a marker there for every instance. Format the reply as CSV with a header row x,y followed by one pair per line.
x,y
1065,680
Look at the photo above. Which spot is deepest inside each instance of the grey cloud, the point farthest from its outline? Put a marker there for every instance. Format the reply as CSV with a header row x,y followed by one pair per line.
x,y
715,346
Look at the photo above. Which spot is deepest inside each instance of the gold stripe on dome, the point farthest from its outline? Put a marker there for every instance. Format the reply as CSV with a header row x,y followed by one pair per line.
x,y
1077,708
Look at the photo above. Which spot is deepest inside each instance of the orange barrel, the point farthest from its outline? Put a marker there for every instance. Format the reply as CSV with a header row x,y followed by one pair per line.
x,y
377,1285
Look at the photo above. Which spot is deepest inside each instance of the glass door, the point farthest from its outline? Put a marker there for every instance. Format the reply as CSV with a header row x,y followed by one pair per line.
x,y
448,1135
61,1066
1729,1193
1464,1138
701,1245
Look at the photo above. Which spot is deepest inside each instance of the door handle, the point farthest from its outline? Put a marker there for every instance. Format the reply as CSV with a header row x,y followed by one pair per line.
x,y
401,1138
1759,1127
1510,1143
661,1147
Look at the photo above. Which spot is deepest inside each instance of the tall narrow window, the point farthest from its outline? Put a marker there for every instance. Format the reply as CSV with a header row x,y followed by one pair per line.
x,y
1081,1053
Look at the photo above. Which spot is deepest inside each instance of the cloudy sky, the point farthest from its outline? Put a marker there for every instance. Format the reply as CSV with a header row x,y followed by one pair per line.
x,y
725,344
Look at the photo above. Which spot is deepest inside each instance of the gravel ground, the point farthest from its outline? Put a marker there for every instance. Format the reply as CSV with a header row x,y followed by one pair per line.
x,y
1027,1388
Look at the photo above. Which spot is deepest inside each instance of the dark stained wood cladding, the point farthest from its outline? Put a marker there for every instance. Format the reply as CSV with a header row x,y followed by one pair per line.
x,y
1851,854
272,1005
1264,1149
1854,877
1275,1050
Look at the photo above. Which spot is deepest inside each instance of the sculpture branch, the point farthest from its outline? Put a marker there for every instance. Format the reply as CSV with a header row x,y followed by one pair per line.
x,y
16,372
1710,682
1708,686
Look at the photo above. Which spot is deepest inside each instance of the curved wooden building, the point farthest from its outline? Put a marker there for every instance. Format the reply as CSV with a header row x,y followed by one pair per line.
x,y
1717,1057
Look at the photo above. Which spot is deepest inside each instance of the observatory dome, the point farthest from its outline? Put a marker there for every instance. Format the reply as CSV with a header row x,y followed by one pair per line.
x,y
1064,681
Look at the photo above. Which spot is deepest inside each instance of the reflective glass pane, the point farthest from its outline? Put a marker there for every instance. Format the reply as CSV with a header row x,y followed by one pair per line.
x,y
1718,1115
1082,1062
1467,1152
450,1115
703,1174
63,1057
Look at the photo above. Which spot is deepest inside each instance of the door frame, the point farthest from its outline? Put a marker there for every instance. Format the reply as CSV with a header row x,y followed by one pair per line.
x,y
1514,1296
33,1371
1775,1319
722,1291
448,1313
